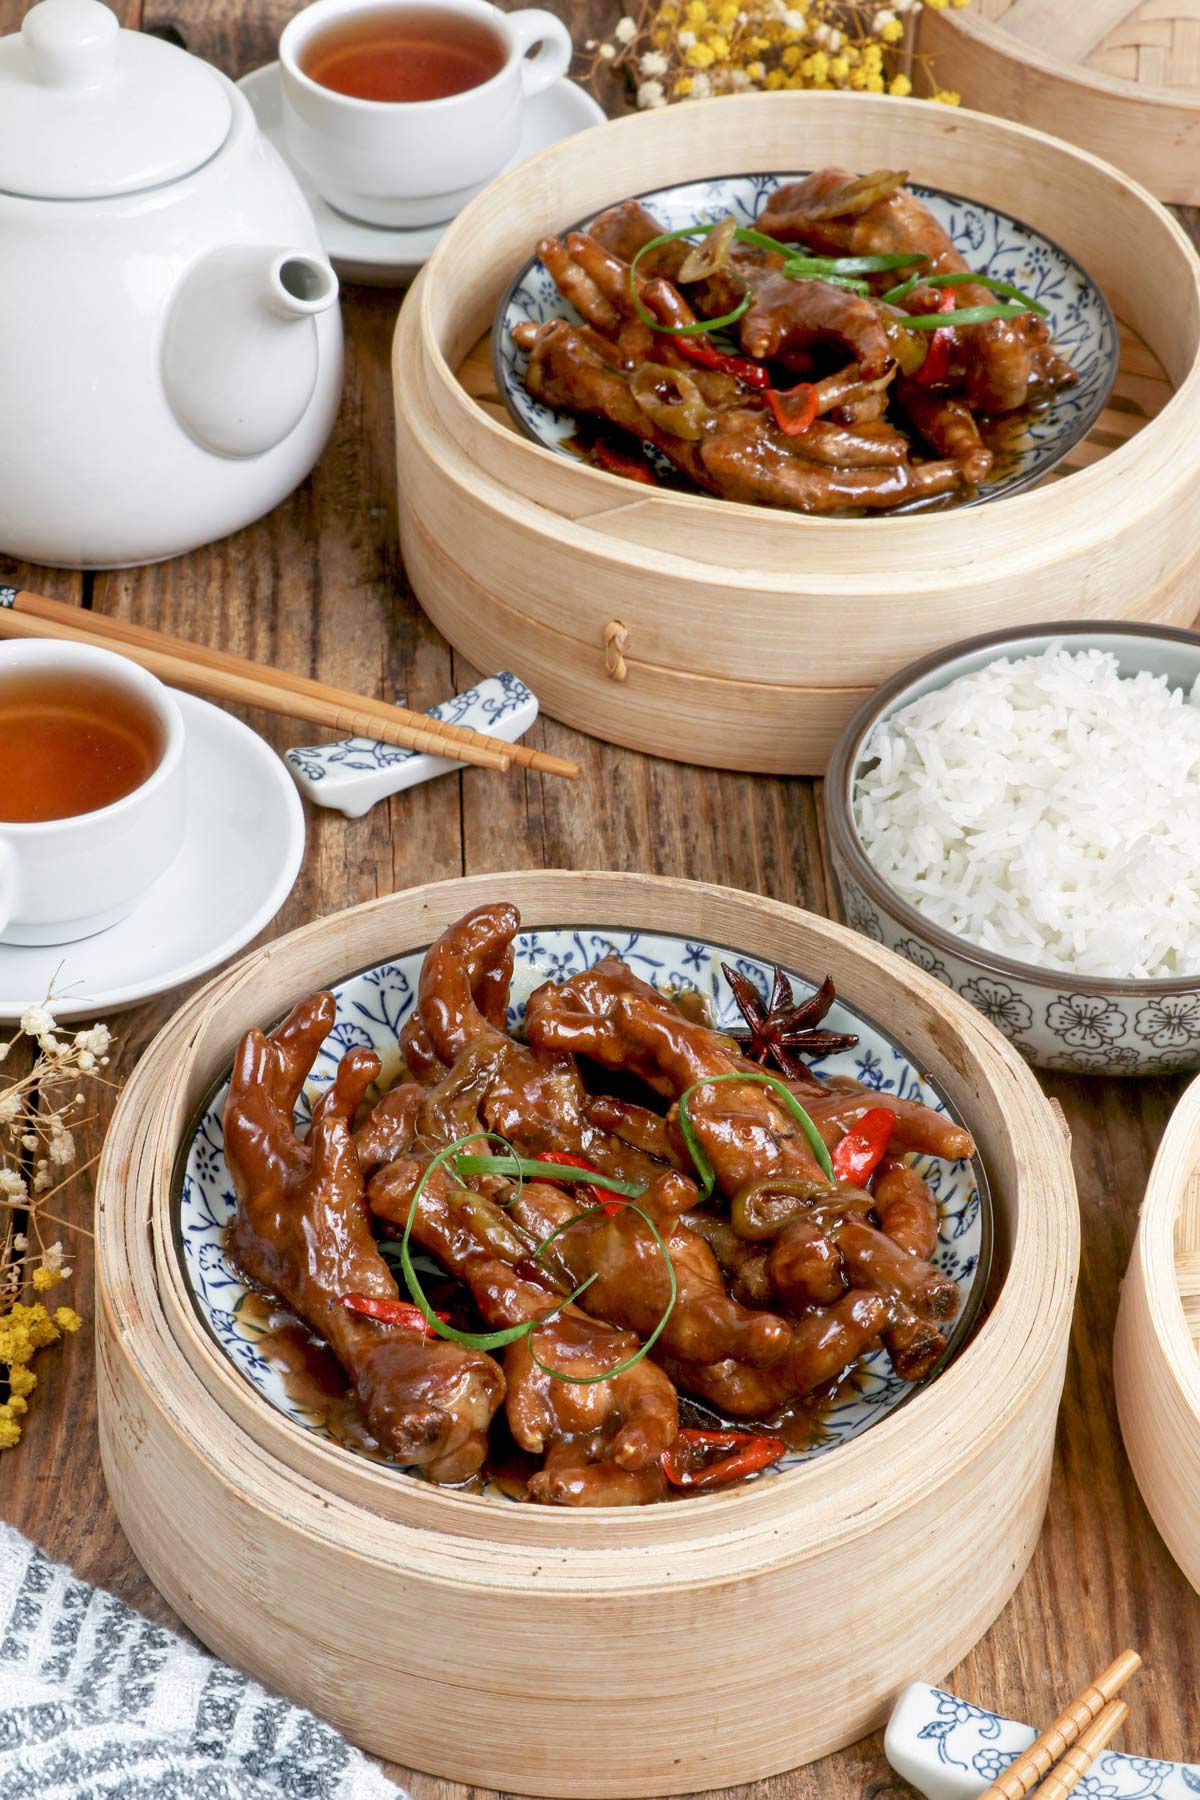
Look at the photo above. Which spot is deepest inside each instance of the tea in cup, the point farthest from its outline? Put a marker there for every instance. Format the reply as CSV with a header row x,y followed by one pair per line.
x,y
94,793
398,111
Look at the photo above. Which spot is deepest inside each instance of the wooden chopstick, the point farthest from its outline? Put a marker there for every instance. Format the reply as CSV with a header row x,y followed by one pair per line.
x,y
1083,1753
1086,1708
360,715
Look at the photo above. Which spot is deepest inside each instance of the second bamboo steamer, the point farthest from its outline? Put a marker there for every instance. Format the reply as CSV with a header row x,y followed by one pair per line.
x,y
745,637
553,1651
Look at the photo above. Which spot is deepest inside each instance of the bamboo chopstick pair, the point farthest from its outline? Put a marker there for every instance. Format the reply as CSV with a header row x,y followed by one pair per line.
x,y
1065,1751
221,676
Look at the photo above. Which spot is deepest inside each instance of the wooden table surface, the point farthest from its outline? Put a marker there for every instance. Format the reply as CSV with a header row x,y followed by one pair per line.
x,y
318,587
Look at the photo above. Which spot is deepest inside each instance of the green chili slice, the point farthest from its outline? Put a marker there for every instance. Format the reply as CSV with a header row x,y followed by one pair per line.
x,y
648,1344
704,1168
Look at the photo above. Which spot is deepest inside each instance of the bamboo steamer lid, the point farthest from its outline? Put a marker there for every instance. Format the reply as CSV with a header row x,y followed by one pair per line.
x,y
615,1652
1118,77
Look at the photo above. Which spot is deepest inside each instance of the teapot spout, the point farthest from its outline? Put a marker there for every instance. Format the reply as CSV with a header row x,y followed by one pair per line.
x,y
243,345
299,285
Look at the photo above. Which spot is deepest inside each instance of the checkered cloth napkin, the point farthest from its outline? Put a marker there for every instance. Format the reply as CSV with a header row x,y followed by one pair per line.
x,y
96,1703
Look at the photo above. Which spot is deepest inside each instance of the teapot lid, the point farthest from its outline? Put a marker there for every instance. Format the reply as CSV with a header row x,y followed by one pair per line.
x,y
88,110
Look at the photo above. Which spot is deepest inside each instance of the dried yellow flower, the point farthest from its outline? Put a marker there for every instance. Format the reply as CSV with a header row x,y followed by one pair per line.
x,y
67,1319
688,49
946,97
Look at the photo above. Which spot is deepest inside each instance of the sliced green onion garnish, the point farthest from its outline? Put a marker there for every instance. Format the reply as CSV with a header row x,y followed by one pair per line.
x,y
609,1374
964,278
704,1168
841,271
796,271
531,1170
845,266
474,1340
965,315
701,325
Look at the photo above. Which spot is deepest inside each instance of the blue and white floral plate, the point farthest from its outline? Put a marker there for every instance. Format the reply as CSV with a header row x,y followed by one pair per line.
x,y
952,1750
1080,318
371,1008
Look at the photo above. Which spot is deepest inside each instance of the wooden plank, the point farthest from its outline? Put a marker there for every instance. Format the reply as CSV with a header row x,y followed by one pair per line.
x,y
318,586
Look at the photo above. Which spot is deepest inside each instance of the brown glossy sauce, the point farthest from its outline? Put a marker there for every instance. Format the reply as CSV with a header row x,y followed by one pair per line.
x,y
316,1385
313,1379
70,744
404,54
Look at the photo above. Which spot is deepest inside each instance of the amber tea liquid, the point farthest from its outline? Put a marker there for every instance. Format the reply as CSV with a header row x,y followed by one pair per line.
x,y
404,54
70,744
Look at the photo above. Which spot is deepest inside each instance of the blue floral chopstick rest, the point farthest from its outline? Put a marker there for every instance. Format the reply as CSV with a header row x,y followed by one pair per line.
x,y
952,1750
352,775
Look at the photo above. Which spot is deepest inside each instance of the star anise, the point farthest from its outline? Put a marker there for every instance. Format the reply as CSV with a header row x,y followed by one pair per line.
x,y
784,1032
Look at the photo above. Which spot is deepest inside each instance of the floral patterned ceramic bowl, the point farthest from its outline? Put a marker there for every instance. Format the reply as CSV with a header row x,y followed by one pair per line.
x,y
373,1005
1085,1025
1081,319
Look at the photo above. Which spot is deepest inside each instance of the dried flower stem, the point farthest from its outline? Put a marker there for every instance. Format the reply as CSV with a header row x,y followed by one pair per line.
x,y
40,1111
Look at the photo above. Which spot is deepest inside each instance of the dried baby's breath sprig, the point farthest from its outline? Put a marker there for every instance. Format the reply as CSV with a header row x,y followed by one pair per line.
x,y
39,1114
694,49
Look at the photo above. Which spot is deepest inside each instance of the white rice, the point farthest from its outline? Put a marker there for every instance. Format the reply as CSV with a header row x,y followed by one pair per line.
x,y
1047,809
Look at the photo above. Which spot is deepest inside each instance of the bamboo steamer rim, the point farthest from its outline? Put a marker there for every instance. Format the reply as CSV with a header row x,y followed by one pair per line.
x,y
1096,501
991,34
465,1538
481,490
1153,1262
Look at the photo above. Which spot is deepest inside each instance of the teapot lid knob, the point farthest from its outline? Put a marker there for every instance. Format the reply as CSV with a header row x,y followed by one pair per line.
x,y
73,43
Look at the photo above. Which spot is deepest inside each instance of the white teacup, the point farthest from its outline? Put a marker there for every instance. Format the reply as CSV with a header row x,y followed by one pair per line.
x,y
63,879
407,163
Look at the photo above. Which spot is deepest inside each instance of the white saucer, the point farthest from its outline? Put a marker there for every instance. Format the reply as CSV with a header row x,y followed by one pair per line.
x,y
379,255
241,854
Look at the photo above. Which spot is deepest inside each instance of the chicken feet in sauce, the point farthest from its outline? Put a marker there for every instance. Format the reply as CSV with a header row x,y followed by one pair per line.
x,y
888,423
623,1286
302,1231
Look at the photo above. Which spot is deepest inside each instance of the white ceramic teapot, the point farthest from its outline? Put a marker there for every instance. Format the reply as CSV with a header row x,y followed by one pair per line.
x,y
170,342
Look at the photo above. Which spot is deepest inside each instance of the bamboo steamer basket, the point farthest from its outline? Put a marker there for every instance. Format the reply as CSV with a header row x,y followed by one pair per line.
x,y
1119,77
583,1653
744,637
1157,1350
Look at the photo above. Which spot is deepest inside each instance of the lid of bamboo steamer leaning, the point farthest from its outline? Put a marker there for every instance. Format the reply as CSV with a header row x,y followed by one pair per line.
x,y
89,111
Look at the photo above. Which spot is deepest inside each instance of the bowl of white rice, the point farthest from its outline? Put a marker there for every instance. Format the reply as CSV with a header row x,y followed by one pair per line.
x,y
1019,815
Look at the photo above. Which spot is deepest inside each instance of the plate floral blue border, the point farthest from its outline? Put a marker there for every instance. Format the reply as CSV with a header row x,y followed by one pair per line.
x,y
1081,319
372,1006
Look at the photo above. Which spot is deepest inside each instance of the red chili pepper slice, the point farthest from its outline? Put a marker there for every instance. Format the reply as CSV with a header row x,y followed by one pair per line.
x,y
597,1196
936,366
624,462
688,1463
794,408
699,350
391,1312
857,1156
